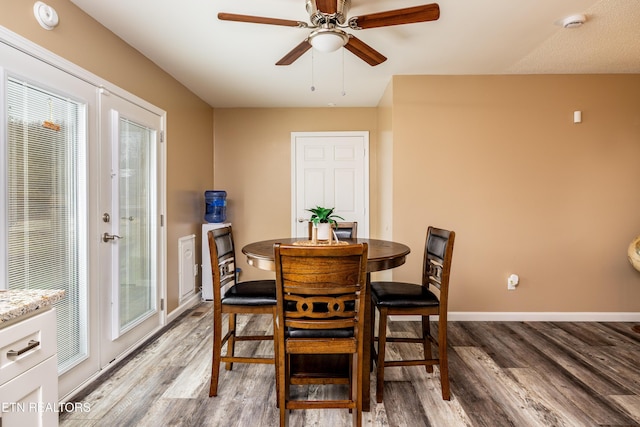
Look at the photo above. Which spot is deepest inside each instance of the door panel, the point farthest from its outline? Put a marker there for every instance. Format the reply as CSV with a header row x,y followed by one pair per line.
x,y
345,193
330,169
44,232
130,278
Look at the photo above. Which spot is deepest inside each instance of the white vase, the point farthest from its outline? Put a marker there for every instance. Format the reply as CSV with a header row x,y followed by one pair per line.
x,y
324,228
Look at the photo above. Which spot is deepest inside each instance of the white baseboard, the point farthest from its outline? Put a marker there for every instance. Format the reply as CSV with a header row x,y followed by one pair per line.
x,y
544,316
186,305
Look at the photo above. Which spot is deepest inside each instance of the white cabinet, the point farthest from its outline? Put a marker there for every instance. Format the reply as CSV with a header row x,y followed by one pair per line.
x,y
187,267
29,372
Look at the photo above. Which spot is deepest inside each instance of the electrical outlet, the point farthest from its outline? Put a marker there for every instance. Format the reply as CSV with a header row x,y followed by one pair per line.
x,y
512,282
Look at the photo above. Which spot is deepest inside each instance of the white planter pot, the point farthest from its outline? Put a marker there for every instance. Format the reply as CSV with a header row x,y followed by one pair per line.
x,y
324,228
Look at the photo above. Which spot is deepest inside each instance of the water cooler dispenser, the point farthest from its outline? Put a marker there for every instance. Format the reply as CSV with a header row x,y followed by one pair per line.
x,y
215,214
215,206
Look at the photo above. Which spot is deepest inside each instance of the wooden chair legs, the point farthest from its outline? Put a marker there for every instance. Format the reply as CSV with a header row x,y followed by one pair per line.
x,y
230,339
426,340
217,354
282,389
444,361
382,345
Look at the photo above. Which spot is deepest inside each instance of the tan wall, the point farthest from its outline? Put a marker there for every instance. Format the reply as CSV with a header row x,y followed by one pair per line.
x,y
384,165
83,41
253,164
527,191
499,160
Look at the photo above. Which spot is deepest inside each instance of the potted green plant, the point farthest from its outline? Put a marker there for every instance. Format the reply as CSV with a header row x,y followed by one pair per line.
x,y
323,219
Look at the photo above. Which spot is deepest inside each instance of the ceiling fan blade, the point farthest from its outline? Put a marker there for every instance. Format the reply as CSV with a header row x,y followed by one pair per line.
x,y
364,51
410,15
260,20
295,53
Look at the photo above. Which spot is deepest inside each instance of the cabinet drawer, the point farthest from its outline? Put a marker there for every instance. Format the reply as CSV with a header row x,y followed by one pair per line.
x,y
27,343
31,399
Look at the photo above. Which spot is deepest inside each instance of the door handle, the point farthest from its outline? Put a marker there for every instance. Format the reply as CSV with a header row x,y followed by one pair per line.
x,y
110,237
302,220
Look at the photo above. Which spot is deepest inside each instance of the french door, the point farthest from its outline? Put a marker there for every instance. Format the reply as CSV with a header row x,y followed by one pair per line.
x,y
130,207
82,190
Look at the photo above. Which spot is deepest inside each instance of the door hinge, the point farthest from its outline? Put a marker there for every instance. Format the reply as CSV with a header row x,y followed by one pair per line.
x,y
161,303
161,220
161,136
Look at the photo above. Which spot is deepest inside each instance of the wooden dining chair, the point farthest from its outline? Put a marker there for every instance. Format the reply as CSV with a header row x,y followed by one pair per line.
x,y
344,230
320,312
399,298
233,298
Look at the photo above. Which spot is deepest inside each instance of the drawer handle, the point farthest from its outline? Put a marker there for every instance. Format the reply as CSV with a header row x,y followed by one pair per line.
x,y
30,345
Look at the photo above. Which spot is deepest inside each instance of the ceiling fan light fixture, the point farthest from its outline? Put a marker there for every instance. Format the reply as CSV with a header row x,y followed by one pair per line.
x,y
328,39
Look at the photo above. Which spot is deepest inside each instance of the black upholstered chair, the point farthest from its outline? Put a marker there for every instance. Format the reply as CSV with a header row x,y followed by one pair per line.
x,y
399,298
320,312
233,298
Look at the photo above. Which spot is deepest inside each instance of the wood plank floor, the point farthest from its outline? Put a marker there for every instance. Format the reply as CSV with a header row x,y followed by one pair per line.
x,y
502,374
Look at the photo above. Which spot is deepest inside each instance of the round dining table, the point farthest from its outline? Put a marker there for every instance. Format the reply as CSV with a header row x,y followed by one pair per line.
x,y
382,255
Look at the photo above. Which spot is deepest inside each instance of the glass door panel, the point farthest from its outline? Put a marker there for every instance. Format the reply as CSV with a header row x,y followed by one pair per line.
x,y
46,221
136,258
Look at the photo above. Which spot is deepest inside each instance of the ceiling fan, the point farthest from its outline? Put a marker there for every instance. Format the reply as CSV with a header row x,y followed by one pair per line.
x,y
327,17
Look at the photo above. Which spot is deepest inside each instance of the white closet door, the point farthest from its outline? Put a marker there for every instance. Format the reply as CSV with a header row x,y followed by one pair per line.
x,y
330,169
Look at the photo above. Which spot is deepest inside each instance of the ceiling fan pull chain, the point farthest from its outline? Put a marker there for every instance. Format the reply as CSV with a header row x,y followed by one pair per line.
x,y
313,87
344,93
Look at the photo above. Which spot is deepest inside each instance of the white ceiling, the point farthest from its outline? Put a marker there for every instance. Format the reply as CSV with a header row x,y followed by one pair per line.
x,y
232,64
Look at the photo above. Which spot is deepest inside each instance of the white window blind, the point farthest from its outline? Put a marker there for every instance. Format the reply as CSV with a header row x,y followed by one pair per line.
x,y
46,209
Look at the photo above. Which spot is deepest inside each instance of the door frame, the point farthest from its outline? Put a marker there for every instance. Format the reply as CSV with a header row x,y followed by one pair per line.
x,y
333,134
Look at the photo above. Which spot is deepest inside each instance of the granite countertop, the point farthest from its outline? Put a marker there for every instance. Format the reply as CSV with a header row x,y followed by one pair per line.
x,y
15,303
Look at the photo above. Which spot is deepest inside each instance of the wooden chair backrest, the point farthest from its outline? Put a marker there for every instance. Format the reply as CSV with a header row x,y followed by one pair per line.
x,y
344,230
347,230
438,253
321,287
223,259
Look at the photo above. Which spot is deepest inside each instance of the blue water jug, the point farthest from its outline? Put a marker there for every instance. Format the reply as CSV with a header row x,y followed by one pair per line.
x,y
215,206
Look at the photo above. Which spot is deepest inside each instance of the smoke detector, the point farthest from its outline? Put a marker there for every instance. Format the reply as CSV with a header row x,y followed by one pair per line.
x,y
574,21
45,15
